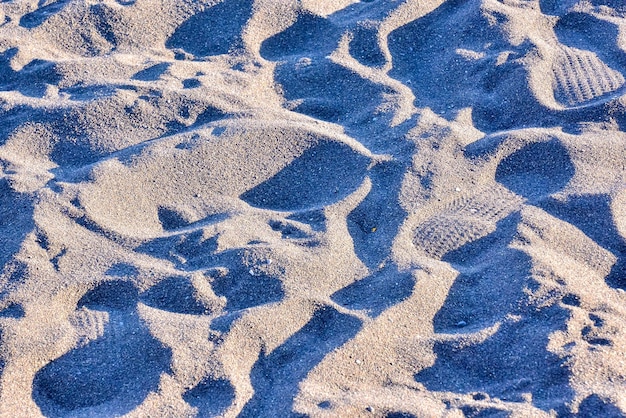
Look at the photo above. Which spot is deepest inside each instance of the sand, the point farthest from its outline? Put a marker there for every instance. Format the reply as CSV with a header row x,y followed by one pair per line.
x,y
273,208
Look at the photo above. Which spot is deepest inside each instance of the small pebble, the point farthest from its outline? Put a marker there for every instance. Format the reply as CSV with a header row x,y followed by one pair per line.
x,y
461,324
357,361
458,189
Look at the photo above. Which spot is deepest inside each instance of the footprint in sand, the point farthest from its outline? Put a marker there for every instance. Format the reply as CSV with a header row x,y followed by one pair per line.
x,y
457,57
485,308
479,64
526,176
314,84
119,364
581,78
585,69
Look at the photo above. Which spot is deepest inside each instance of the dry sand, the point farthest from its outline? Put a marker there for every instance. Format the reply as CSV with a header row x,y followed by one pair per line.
x,y
272,208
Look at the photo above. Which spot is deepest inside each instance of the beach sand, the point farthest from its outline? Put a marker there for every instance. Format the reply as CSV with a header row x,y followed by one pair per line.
x,y
273,208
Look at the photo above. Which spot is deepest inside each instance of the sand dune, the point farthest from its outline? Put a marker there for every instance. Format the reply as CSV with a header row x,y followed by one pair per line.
x,y
341,208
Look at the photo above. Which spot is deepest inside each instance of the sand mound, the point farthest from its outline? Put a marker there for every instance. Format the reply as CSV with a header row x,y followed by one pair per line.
x,y
344,208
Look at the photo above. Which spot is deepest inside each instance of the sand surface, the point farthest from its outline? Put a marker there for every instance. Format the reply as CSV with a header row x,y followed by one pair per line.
x,y
333,208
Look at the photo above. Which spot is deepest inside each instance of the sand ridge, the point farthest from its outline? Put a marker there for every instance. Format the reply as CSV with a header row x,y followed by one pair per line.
x,y
344,208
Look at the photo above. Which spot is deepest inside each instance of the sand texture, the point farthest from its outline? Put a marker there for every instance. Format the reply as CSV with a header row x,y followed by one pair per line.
x,y
333,208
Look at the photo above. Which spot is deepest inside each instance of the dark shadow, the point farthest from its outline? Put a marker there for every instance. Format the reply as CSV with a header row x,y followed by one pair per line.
x,y
515,359
315,218
245,288
364,47
308,36
491,285
74,152
316,36
55,260
536,170
512,362
170,219
288,230
17,115
218,131
587,32
214,31
373,225
592,215
483,250
556,7
152,73
210,396
449,59
16,221
317,87
115,372
104,17
485,147
191,83
377,292
41,14
114,294
329,92
188,250
15,273
615,4
324,90
242,286
324,405
482,412
31,80
590,335
400,415
224,322
175,294
488,291
93,226
594,406
322,175
276,376
617,276
197,251
13,310
208,115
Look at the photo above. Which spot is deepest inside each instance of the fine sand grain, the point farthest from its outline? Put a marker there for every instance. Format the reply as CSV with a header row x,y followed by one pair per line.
x,y
338,208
